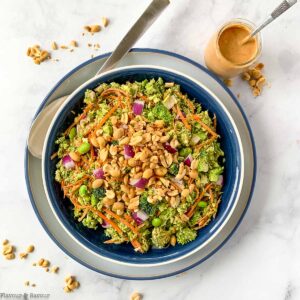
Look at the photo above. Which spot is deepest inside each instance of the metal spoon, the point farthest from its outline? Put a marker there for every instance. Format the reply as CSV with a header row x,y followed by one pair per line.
x,y
41,124
279,10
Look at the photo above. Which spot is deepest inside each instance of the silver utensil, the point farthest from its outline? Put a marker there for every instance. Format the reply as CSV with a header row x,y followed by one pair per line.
x,y
41,124
279,10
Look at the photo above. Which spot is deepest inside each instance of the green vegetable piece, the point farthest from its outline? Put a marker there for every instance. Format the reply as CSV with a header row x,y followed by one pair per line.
x,y
160,112
185,235
84,148
107,129
173,169
145,206
156,222
83,190
99,193
114,143
72,133
202,204
94,200
184,152
214,174
160,237
202,164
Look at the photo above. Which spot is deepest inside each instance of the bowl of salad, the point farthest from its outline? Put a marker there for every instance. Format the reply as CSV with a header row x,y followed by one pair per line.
x,y
143,165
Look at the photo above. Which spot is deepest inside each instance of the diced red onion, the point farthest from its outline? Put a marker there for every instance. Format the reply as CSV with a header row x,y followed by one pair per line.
x,y
67,162
195,139
98,173
139,183
138,107
188,160
128,151
169,148
220,180
140,217
105,224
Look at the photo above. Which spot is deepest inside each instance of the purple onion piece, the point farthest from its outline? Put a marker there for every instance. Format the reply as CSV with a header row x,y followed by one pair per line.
x,y
138,107
188,160
105,224
128,152
220,180
140,217
139,183
67,162
98,173
169,148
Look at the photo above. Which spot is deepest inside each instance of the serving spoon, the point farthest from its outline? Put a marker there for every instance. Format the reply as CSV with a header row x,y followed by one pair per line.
x,y
42,122
278,11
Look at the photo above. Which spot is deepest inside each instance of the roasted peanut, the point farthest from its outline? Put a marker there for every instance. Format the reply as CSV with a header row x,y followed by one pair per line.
x,y
118,206
160,171
147,173
97,183
101,142
74,156
118,133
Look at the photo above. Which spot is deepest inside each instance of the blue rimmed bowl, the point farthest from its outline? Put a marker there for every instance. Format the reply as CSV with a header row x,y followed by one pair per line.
x,y
124,253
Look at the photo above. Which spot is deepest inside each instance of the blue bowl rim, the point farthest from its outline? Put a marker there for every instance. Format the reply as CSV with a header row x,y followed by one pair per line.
x,y
234,99
184,251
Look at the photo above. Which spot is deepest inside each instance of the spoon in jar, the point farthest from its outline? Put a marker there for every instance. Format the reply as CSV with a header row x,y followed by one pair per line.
x,y
42,122
279,10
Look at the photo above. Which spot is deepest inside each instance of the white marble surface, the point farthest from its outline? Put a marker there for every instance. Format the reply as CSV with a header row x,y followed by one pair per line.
x,y
262,259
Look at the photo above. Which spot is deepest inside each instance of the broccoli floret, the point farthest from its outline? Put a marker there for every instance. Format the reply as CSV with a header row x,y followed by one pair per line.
x,y
89,96
173,169
160,237
147,207
107,128
99,193
202,164
214,174
185,235
90,221
159,112
114,143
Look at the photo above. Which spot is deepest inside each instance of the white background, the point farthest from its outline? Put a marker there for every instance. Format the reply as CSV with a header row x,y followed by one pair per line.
x,y
262,259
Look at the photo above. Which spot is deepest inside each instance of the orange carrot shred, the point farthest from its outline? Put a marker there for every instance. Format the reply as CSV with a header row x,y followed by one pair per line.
x,y
207,128
121,220
109,221
191,211
183,119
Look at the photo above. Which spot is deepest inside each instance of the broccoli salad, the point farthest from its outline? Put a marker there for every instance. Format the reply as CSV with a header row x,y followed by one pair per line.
x,y
143,162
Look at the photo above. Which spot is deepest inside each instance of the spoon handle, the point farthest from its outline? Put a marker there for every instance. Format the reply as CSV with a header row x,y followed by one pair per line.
x,y
279,10
136,31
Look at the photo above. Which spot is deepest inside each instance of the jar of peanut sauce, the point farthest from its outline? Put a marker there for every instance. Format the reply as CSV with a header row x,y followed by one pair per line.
x,y
227,55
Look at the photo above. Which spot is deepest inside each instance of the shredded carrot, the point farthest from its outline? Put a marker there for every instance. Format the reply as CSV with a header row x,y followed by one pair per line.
x,y
187,101
79,118
84,214
207,128
53,155
128,218
207,142
215,122
121,220
106,117
183,119
136,244
191,211
211,195
109,221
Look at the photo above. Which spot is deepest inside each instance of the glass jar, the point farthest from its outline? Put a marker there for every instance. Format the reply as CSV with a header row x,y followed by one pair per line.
x,y
217,62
